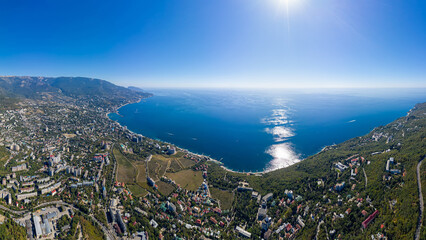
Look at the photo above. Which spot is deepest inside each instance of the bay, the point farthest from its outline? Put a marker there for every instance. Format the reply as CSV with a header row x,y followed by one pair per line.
x,y
257,130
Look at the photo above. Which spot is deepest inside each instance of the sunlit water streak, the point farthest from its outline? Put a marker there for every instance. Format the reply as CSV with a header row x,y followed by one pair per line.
x,y
258,130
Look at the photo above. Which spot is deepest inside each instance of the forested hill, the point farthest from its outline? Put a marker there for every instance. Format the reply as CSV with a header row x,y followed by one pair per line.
x,y
367,186
98,91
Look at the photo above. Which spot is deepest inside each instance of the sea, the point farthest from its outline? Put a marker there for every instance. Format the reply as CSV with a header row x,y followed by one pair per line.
x,y
262,130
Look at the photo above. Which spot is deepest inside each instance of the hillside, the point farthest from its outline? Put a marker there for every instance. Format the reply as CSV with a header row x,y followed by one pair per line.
x,y
393,193
99,92
363,188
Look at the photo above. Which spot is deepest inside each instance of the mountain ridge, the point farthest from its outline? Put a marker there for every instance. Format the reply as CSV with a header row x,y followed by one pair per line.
x,y
97,90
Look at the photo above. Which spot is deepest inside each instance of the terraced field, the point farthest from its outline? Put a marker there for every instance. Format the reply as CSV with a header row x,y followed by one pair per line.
x,y
225,197
133,172
187,179
126,172
165,188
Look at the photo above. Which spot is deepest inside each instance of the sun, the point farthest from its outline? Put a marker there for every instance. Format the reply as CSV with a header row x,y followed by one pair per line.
x,y
285,7
286,4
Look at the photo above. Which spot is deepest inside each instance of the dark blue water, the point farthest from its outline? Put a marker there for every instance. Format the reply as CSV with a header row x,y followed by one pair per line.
x,y
257,130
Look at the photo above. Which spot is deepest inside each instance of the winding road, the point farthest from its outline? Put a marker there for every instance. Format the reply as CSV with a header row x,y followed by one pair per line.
x,y
11,211
318,229
419,183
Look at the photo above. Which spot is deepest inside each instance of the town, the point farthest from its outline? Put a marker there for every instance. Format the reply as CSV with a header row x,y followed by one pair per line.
x,y
69,172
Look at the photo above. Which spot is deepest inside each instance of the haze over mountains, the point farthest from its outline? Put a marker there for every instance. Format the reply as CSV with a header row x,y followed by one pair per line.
x,y
35,87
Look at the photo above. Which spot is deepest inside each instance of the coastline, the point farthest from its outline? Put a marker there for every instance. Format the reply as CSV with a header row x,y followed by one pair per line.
x,y
258,173
210,159
117,108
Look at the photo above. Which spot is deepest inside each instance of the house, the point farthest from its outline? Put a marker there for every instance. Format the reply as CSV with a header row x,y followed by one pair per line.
x,y
150,181
261,213
267,235
254,194
339,187
370,219
243,232
121,223
348,211
389,162
266,223
289,194
300,221
340,166
153,223
267,197
171,207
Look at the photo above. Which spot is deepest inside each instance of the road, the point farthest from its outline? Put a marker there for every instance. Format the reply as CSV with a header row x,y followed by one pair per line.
x,y
318,228
11,211
366,179
419,183
114,171
147,162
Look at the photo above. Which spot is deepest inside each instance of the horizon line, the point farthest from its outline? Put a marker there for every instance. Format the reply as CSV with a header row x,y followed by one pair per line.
x,y
271,85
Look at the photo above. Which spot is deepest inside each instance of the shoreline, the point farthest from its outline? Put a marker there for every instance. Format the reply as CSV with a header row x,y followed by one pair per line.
x,y
210,159
221,164
117,108
258,173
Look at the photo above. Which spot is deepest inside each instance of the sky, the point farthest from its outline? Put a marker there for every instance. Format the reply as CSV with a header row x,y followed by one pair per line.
x,y
218,43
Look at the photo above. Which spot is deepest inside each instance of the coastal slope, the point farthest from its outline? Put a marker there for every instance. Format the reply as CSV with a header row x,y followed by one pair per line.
x,y
366,187
341,186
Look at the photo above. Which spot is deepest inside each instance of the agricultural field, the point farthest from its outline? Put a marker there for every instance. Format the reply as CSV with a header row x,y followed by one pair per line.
x,y
137,190
141,169
125,171
186,163
157,166
165,188
175,166
133,173
188,179
226,198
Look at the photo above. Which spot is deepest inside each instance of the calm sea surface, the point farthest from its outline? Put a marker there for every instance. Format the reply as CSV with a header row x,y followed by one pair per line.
x,y
262,130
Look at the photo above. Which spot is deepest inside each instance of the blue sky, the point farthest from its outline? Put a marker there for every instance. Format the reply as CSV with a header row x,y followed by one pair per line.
x,y
218,43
